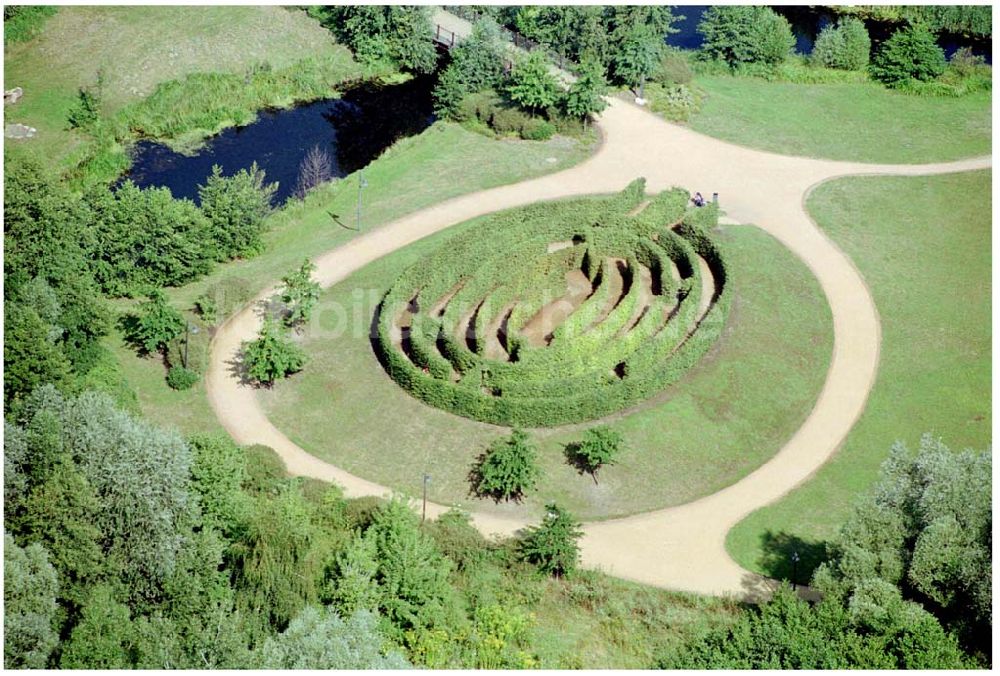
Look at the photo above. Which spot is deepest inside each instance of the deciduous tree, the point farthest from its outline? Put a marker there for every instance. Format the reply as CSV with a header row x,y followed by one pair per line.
x,y
300,294
600,446
531,85
508,468
157,323
272,355
586,95
30,609
553,545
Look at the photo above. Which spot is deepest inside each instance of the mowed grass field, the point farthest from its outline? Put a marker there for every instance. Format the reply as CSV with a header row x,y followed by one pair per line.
x,y
727,416
923,246
861,122
443,162
136,48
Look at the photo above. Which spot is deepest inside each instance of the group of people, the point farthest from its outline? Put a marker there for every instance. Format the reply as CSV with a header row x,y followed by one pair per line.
x,y
698,200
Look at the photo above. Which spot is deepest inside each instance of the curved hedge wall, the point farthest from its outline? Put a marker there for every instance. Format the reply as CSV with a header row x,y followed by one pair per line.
x,y
626,333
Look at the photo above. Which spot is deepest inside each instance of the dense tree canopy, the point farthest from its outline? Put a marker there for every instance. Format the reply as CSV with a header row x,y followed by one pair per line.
x,y
742,34
29,596
909,574
399,34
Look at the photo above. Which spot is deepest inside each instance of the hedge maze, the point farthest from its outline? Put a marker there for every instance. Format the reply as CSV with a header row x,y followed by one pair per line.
x,y
558,312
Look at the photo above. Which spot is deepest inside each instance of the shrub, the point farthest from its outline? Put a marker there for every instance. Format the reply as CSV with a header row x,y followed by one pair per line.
x,y
745,34
674,69
300,294
845,46
272,355
535,129
206,308
677,103
509,121
156,324
600,446
553,545
910,54
23,22
87,109
180,378
508,468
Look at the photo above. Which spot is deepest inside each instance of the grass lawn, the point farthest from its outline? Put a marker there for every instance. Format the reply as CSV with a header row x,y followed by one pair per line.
x,y
136,48
925,254
861,122
727,416
443,162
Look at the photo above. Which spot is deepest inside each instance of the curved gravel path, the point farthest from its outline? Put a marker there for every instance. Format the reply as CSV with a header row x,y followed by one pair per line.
x,y
680,547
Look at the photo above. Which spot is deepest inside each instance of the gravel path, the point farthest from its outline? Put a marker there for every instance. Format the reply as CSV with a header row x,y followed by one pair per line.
x,y
680,547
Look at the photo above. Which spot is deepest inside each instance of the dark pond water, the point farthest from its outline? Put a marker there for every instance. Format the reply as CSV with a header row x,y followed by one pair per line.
x,y
807,22
354,130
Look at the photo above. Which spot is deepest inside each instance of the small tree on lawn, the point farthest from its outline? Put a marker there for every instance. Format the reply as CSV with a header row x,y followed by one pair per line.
x,y
300,294
531,85
508,468
272,355
553,545
600,446
157,323
585,96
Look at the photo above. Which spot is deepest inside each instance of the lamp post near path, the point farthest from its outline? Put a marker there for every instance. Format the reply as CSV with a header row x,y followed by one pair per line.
x,y
188,330
362,184
423,516
795,568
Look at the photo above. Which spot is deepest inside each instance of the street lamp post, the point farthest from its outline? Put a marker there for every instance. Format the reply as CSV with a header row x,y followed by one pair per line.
x,y
188,330
795,569
427,479
362,184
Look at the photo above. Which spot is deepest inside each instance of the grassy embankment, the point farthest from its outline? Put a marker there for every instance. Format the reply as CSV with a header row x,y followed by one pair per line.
x,y
175,73
726,417
923,247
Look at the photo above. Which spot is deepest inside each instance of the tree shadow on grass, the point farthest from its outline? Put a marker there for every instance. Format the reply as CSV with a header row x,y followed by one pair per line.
x,y
128,324
778,552
573,457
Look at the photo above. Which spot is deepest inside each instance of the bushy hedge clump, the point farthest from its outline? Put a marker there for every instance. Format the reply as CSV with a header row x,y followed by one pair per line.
x,y
180,378
845,46
738,34
911,53
610,352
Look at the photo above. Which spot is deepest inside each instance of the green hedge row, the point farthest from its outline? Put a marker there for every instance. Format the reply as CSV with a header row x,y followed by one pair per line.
x,y
590,370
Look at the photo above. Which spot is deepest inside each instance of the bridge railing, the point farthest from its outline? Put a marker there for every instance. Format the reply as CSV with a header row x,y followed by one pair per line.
x,y
513,37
